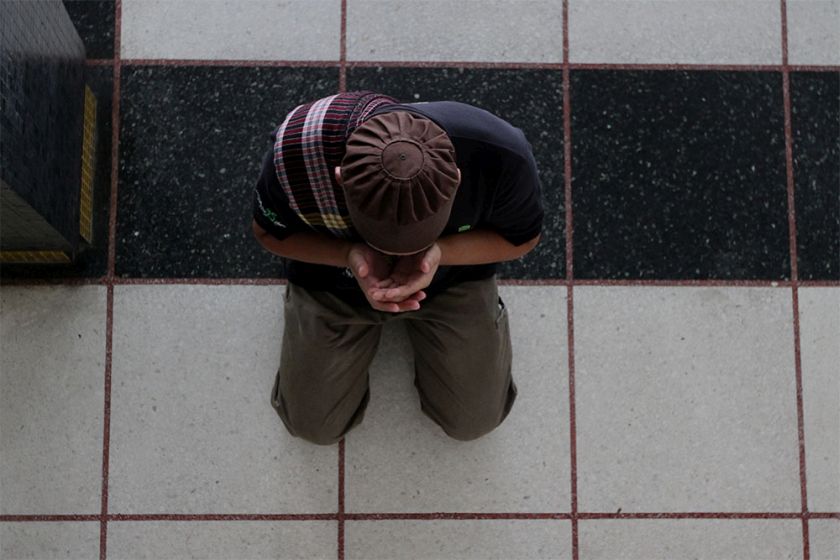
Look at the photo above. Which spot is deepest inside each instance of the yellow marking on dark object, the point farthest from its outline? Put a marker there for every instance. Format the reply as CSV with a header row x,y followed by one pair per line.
x,y
34,257
88,167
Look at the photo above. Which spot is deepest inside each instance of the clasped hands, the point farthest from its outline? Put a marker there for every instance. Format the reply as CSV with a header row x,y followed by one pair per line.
x,y
393,283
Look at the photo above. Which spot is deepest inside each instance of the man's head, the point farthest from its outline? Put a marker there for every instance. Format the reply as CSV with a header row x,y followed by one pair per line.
x,y
399,178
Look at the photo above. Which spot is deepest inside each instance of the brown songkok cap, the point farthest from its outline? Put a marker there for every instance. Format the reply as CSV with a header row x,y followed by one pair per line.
x,y
399,178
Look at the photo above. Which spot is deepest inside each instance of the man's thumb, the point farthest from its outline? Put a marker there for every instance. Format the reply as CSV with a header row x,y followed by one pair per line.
x,y
361,269
425,265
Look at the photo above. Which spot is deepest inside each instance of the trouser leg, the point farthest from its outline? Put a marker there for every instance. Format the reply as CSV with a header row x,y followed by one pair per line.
x,y
462,352
321,390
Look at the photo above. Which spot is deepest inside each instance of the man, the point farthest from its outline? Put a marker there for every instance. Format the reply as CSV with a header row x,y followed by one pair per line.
x,y
385,212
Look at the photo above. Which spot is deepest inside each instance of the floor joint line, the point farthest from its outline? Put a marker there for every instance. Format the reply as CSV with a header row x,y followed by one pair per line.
x,y
794,276
570,328
109,282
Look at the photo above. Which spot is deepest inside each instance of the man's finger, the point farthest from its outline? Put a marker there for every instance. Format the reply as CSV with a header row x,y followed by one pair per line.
x,y
400,292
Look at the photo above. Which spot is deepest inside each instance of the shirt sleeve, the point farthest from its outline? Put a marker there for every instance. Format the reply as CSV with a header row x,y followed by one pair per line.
x,y
517,210
271,207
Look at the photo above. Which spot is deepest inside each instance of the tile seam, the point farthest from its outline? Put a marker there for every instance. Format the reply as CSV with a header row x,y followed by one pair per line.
x,y
418,516
341,516
342,86
467,64
109,282
342,68
794,276
570,322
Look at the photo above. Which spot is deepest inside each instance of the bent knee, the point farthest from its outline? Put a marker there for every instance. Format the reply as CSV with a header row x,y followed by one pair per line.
x,y
468,427
318,430
470,433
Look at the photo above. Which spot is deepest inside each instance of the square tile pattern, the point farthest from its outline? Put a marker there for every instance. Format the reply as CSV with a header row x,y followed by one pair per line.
x,y
658,539
679,175
455,31
675,31
191,426
263,540
685,397
52,366
49,540
227,30
819,317
484,539
681,406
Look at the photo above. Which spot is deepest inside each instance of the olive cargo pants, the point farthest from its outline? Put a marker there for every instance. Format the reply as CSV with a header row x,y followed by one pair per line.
x,y
462,358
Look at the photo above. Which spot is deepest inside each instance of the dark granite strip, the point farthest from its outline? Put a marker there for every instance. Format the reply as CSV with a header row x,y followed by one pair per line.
x,y
679,175
94,20
192,140
529,99
815,104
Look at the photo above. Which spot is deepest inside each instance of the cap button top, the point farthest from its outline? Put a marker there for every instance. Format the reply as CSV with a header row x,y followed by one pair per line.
x,y
402,159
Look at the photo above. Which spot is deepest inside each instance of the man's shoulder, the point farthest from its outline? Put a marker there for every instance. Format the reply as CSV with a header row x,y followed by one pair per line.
x,y
462,121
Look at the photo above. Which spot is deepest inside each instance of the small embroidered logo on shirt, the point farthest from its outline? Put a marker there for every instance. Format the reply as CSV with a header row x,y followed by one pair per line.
x,y
462,229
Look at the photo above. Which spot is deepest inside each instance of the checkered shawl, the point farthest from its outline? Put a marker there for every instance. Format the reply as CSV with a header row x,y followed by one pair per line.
x,y
309,145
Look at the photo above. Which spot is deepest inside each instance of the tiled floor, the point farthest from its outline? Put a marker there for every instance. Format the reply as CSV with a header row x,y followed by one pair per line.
x,y
676,333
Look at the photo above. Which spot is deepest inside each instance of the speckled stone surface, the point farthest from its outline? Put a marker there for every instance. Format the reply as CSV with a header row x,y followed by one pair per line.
x,y
94,21
815,104
661,539
459,31
260,540
52,367
529,99
679,175
462,540
192,143
825,538
813,36
819,318
49,540
231,29
675,31
685,400
192,430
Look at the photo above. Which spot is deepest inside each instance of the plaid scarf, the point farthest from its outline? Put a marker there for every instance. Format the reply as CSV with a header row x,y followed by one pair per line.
x,y
309,145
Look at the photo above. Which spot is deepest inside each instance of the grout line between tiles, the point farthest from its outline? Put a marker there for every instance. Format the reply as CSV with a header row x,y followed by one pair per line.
x,y
341,515
342,62
231,63
189,517
794,276
570,276
200,281
64,518
106,421
109,282
342,68
342,86
417,516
